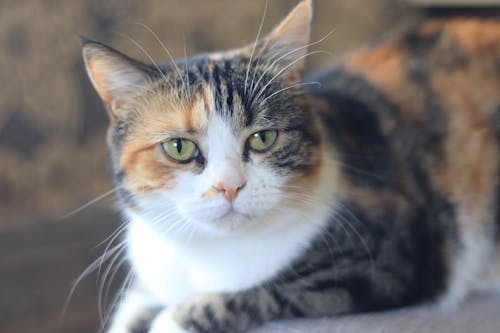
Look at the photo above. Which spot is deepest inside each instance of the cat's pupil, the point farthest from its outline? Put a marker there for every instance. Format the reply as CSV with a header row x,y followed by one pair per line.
x,y
178,145
262,136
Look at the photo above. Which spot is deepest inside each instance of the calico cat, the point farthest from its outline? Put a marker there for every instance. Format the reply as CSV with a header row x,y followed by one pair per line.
x,y
253,195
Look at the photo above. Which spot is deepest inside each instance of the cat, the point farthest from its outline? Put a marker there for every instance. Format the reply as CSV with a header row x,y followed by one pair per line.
x,y
253,194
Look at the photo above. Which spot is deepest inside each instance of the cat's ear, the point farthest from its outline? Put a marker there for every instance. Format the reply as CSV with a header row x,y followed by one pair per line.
x,y
115,76
287,44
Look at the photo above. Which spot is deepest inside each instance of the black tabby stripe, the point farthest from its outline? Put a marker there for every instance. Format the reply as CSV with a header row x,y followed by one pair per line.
x,y
229,86
216,76
285,304
193,323
201,66
210,317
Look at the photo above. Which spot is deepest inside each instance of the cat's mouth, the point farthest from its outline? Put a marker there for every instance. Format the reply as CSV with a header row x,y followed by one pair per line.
x,y
232,219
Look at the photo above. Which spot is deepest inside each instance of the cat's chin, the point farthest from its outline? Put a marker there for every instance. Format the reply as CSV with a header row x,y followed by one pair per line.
x,y
229,222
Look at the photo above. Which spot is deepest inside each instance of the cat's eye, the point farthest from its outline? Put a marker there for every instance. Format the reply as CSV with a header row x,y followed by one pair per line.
x,y
262,141
180,150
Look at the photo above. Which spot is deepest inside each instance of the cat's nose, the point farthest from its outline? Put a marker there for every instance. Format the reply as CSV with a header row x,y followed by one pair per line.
x,y
230,190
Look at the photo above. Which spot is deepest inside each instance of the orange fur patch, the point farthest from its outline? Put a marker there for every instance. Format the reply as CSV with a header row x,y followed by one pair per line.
x,y
470,95
158,119
474,35
468,173
305,184
384,67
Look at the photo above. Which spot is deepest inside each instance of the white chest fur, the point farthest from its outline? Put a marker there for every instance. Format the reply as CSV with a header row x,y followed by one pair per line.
x,y
174,271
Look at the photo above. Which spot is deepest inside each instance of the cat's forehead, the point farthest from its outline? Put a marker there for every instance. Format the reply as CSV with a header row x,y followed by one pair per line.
x,y
216,85
222,85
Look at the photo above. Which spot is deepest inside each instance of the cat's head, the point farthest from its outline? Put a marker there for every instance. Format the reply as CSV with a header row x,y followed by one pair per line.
x,y
219,141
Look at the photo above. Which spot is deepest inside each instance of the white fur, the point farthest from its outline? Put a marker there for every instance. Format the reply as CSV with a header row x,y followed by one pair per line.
x,y
164,323
475,252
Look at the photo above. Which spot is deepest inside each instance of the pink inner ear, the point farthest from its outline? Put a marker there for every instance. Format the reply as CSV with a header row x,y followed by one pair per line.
x,y
115,76
293,32
96,70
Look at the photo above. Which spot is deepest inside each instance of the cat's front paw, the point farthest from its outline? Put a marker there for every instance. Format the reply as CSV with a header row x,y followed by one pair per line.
x,y
165,323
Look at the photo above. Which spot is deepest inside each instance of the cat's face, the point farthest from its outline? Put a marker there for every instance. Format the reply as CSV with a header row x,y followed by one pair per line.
x,y
217,142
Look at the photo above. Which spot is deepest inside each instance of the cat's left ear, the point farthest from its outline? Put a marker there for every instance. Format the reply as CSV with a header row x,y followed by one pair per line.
x,y
287,44
116,77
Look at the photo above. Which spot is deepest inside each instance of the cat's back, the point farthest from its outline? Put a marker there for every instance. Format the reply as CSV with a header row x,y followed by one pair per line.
x,y
418,116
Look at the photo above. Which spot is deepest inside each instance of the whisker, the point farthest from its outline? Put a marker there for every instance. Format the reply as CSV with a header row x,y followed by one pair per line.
x,y
140,47
166,51
91,202
290,87
107,281
187,70
120,230
255,45
283,70
87,271
120,293
283,56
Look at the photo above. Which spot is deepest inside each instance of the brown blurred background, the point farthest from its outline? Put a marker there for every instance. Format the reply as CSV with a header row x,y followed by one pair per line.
x,y
52,126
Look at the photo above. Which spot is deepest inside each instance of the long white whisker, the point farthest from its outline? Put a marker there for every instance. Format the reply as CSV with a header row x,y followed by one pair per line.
x,y
255,45
283,70
105,283
273,63
125,285
120,230
187,70
91,202
290,87
166,51
140,47
87,271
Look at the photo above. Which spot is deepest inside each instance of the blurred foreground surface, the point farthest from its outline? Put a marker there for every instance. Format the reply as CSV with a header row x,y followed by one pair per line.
x,y
38,265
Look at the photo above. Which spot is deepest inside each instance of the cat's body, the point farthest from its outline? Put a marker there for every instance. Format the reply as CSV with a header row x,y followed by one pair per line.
x,y
251,197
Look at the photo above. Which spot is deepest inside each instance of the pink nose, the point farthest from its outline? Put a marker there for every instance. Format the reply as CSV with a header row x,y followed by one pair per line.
x,y
230,192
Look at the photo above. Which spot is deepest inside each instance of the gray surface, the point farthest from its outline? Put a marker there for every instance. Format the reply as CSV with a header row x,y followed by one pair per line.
x,y
39,263
479,314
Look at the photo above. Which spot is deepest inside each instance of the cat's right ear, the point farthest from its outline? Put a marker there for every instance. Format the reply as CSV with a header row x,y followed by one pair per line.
x,y
115,76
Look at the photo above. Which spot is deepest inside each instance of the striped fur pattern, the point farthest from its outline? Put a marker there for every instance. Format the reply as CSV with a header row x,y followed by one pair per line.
x,y
380,191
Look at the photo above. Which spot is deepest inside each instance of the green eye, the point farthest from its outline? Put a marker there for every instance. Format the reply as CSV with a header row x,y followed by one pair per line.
x,y
262,141
180,150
